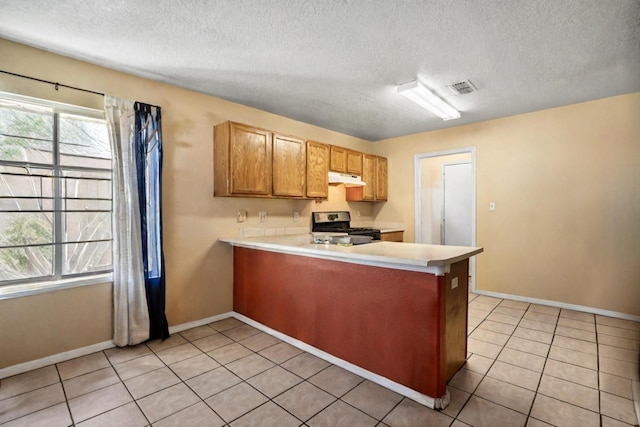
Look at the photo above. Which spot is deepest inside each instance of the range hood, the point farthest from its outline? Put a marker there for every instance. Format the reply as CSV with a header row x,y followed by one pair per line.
x,y
347,179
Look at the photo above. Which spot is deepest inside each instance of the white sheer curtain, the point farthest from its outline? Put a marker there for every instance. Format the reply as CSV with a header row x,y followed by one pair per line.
x,y
130,312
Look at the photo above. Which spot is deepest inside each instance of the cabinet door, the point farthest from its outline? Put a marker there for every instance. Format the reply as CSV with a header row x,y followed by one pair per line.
x,y
354,162
381,178
369,176
317,170
394,236
288,166
249,160
338,159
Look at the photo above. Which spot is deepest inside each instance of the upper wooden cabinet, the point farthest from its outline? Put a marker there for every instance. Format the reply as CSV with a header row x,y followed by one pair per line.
x,y
242,160
355,162
338,159
374,174
253,162
369,176
318,155
289,160
381,179
345,160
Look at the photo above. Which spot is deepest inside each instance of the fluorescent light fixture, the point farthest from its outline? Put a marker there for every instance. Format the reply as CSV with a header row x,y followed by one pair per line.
x,y
422,96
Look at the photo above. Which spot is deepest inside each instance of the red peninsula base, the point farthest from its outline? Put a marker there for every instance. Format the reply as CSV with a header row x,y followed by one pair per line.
x,y
407,326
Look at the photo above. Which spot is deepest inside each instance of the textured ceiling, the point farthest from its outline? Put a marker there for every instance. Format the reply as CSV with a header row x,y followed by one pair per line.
x,y
336,63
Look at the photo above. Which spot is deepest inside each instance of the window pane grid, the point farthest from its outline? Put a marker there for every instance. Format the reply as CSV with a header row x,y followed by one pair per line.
x,y
87,256
55,194
31,245
26,134
83,142
86,226
26,262
27,138
29,211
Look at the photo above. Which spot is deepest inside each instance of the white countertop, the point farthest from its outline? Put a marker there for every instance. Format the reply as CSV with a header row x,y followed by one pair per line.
x,y
434,259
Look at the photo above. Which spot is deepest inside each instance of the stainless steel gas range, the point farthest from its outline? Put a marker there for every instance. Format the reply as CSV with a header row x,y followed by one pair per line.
x,y
339,222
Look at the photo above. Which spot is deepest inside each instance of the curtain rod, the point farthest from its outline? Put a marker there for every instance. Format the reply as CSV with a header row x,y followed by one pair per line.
x,y
57,85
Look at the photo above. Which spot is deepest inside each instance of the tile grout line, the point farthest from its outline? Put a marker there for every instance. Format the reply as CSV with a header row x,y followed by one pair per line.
x,y
181,380
635,395
473,393
306,380
64,393
203,400
505,346
126,388
245,381
335,399
544,365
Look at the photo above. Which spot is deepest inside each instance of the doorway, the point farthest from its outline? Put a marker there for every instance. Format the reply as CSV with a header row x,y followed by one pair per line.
x,y
456,204
432,193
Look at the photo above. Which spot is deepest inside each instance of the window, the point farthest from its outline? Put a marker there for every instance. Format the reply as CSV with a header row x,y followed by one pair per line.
x,y
55,191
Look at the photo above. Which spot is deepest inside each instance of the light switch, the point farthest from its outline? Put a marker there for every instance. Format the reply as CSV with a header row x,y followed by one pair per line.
x,y
492,206
262,215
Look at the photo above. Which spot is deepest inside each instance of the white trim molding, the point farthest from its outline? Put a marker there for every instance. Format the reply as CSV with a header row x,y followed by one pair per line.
x,y
417,220
423,399
83,351
558,304
53,359
378,379
196,323
35,288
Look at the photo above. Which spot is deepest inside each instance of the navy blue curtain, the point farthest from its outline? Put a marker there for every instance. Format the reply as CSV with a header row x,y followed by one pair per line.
x,y
148,152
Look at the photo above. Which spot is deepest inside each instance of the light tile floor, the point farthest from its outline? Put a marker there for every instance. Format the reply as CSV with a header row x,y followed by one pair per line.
x,y
528,364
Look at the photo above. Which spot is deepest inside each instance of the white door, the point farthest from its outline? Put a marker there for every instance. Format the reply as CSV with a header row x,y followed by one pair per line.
x,y
457,204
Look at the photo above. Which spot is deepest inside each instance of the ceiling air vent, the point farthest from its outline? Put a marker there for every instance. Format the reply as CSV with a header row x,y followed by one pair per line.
x,y
462,88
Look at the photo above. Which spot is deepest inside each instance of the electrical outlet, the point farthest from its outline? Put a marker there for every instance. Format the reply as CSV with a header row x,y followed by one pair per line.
x,y
296,216
241,216
262,215
492,206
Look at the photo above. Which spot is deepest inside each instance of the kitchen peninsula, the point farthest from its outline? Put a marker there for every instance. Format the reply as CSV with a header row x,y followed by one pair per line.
x,y
397,310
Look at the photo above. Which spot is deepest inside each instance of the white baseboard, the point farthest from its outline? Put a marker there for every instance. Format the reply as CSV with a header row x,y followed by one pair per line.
x,y
55,358
78,352
378,379
196,323
551,303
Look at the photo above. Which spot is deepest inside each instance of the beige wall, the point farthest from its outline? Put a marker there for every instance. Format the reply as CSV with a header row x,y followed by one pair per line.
x,y
45,324
199,270
566,182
